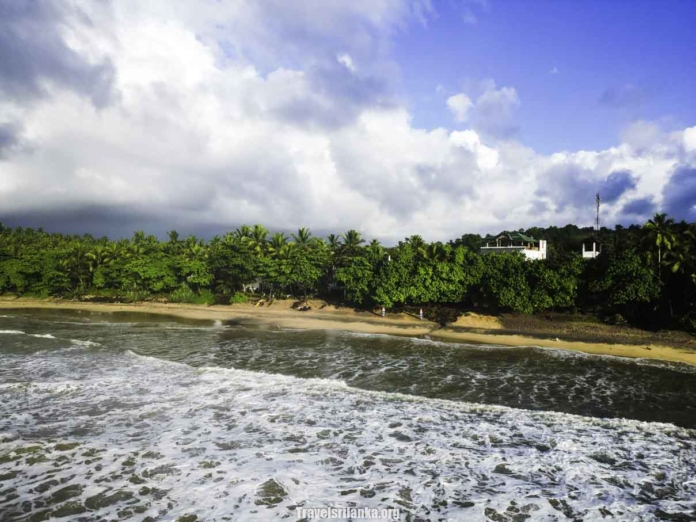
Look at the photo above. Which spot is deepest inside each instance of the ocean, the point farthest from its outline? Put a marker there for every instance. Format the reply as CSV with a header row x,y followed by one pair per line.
x,y
133,417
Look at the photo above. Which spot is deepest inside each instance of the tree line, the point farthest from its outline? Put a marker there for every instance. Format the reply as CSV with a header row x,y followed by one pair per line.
x,y
645,274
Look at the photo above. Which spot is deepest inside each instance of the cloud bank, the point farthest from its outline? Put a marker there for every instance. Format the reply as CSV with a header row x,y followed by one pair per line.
x,y
203,116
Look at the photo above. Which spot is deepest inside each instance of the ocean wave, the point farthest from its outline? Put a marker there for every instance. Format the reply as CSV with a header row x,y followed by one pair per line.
x,y
642,361
84,343
272,380
228,442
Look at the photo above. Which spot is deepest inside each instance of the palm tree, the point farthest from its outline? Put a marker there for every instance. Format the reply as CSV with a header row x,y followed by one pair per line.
x,y
303,239
419,246
231,238
660,234
334,242
138,237
257,239
681,256
242,232
101,255
375,249
173,245
77,264
277,244
215,242
351,242
438,252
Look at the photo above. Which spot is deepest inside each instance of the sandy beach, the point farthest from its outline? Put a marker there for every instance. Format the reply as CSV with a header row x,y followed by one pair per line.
x,y
470,328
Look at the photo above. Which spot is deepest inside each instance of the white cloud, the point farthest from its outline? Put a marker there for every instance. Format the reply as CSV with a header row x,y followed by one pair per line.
x,y
690,139
347,61
460,105
554,70
203,133
493,112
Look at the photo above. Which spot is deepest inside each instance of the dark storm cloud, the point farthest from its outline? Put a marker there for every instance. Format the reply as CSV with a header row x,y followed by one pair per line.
x,y
622,97
9,138
118,222
95,219
33,52
640,207
567,185
572,186
616,185
679,195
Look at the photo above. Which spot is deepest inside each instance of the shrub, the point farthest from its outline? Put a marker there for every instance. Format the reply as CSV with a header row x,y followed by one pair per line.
x,y
184,294
239,298
205,297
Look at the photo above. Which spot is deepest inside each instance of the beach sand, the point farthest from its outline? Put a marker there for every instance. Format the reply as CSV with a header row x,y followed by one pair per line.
x,y
470,328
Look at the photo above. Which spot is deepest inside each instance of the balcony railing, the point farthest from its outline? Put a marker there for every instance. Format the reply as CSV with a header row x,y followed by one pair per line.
x,y
517,247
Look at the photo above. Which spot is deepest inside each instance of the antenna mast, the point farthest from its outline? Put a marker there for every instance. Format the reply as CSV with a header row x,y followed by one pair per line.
x,y
598,201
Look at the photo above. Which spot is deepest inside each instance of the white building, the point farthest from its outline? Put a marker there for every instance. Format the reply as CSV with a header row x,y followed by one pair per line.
x,y
515,242
591,248
253,287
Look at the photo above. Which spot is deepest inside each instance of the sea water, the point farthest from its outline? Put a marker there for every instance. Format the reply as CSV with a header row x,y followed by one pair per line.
x,y
117,417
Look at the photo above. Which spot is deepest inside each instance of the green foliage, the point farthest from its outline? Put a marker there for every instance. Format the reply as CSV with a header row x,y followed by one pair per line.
x,y
357,278
626,284
645,275
184,294
205,297
239,298
504,284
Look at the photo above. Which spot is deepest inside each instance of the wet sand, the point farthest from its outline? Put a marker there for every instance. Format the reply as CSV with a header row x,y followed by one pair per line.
x,y
470,328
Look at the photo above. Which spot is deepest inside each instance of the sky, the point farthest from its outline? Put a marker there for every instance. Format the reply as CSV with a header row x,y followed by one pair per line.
x,y
392,117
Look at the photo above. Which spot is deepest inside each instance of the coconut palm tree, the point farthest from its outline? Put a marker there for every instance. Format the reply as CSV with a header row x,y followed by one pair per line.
x,y
242,232
681,256
138,237
376,249
277,244
230,238
303,238
257,239
660,233
100,255
77,264
351,242
334,242
173,245
438,252
419,246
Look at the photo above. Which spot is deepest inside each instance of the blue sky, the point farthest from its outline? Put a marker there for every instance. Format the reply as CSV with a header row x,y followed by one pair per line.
x,y
392,117
616,61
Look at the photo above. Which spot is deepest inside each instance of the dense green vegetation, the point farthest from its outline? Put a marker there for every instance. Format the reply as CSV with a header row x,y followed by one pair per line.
x,y
645,274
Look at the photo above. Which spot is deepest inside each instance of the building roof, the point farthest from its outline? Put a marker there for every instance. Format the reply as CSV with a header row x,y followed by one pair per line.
x,y
593,238
510,236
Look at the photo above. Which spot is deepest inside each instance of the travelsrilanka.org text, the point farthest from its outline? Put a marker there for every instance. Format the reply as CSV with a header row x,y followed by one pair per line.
x,y
345,513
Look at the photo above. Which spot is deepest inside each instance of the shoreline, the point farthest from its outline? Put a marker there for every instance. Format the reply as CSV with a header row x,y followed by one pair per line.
x,y
470,329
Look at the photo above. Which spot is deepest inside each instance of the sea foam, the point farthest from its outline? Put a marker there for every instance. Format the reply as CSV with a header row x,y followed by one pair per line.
x,y
174,440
